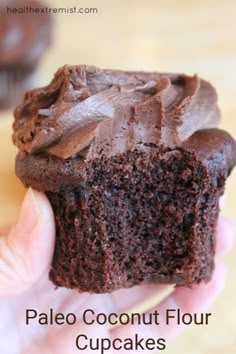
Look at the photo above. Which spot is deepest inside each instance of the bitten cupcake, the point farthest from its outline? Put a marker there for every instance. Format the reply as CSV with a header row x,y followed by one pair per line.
x,y
133,165
24,37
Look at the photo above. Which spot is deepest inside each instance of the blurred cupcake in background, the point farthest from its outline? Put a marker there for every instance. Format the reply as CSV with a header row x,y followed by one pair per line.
x,y
24,37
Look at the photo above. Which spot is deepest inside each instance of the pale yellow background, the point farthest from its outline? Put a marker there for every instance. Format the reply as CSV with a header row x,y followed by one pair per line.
x,y
182,36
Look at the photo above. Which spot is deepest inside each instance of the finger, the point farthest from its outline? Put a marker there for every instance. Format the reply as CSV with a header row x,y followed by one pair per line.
x,y
222,201
197,299
73,339
138,295
194,300
225,235
26,250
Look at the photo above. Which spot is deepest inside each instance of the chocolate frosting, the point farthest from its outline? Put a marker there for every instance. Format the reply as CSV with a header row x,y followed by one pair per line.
x,y
23,36
89,111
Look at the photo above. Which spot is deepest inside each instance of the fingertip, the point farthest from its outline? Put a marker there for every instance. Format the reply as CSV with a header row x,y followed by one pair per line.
x,y
26,251
42,201
200,297
43,237
225,236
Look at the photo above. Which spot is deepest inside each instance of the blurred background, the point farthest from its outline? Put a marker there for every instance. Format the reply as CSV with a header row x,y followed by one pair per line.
x,y
151,35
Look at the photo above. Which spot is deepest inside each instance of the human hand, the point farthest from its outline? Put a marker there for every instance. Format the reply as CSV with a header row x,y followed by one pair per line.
x,y
26,250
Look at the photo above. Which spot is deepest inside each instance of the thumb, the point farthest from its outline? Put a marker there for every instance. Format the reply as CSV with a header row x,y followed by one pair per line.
x,y
26,250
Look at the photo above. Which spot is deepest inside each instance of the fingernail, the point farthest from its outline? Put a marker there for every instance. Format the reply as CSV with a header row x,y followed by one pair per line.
x,y
29,213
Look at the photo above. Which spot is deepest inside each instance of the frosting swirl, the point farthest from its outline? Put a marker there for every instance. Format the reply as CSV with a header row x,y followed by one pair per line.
x,y
89,111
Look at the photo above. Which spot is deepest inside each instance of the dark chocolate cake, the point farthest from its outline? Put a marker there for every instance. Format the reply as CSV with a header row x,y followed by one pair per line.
x,y
24,37
133,166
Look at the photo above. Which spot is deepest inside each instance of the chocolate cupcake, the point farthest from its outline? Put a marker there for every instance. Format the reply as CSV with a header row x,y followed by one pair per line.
x,y
133,166
24,37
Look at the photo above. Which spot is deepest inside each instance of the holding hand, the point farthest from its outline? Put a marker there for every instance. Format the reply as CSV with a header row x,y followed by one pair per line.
x,y
26,251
